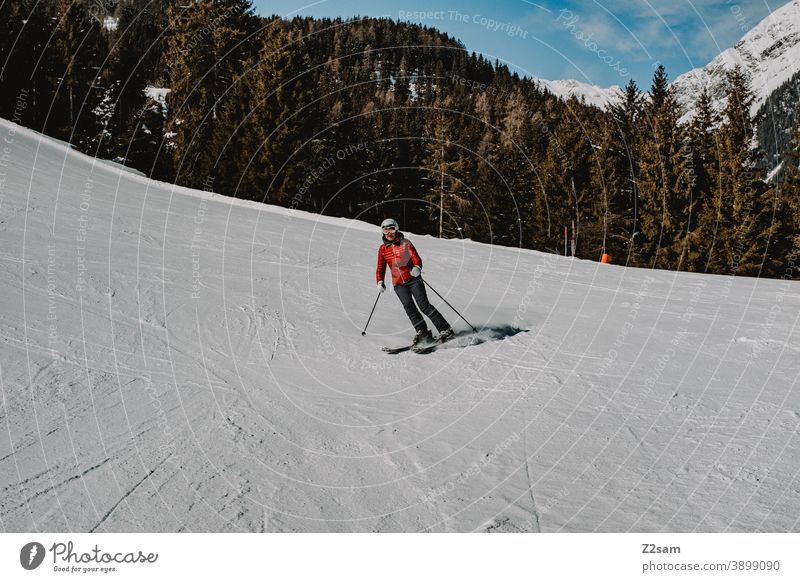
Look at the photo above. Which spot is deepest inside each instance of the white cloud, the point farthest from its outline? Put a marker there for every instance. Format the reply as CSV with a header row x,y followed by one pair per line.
x,y
691,30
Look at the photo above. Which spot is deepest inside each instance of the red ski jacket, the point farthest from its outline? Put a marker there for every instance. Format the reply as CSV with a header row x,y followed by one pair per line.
x,y
401,256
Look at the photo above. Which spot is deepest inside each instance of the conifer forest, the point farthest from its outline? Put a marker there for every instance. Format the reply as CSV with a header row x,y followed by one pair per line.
x,y
367,118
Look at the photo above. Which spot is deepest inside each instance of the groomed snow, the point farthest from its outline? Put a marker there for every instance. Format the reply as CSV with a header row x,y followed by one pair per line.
x,y
177,361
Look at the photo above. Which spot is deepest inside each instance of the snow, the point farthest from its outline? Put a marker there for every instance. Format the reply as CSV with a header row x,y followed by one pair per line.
x,y
769,53
594,95
176,360
774,172
110,23
158,94
413,90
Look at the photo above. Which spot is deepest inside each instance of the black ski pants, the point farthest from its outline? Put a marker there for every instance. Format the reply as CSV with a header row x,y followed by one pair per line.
x,y
415,288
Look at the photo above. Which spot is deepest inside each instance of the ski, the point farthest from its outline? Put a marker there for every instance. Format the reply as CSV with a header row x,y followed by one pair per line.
x,y
431,347
398,350
426,348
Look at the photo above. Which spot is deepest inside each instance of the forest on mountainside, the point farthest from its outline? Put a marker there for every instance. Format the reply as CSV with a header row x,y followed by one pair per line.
x,y
368,118
776,119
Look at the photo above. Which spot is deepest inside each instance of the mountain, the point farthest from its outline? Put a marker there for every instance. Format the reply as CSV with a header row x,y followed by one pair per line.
x,y
177,360
777,118
592,94
769,53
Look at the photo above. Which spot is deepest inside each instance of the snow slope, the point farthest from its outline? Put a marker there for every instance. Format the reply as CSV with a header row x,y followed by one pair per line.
x,y
177,361
769,53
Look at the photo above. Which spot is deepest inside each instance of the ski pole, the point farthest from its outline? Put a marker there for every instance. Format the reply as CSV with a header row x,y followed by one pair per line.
x,y
370,313
448,303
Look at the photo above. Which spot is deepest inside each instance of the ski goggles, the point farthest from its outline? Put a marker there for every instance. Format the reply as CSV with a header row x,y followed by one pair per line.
x,y
389,228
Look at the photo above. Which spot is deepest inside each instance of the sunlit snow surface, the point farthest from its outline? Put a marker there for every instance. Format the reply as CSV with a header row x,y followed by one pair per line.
x,y
177,361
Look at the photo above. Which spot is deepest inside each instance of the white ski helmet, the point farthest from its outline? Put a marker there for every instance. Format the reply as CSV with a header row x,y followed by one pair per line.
x,y
389,223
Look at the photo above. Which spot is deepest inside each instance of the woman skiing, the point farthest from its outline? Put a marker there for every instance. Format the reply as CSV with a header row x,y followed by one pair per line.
x,y
406,267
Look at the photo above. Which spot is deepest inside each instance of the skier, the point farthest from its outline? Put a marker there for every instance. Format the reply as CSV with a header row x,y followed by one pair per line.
x,y
406,267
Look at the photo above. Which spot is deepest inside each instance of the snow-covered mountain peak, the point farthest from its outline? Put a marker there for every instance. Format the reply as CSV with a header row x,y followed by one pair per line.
x,y
594,95
769,53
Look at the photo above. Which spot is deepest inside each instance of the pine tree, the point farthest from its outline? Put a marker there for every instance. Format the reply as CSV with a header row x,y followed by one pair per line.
x,y
517,167
707,200
79,46
567,172
746,199
490,189
787,246
663,183
615,173
448,199
284,118
27,63
203,54
136,125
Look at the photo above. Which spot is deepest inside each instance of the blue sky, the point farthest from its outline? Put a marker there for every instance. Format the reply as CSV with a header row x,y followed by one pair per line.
x,y
604,42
